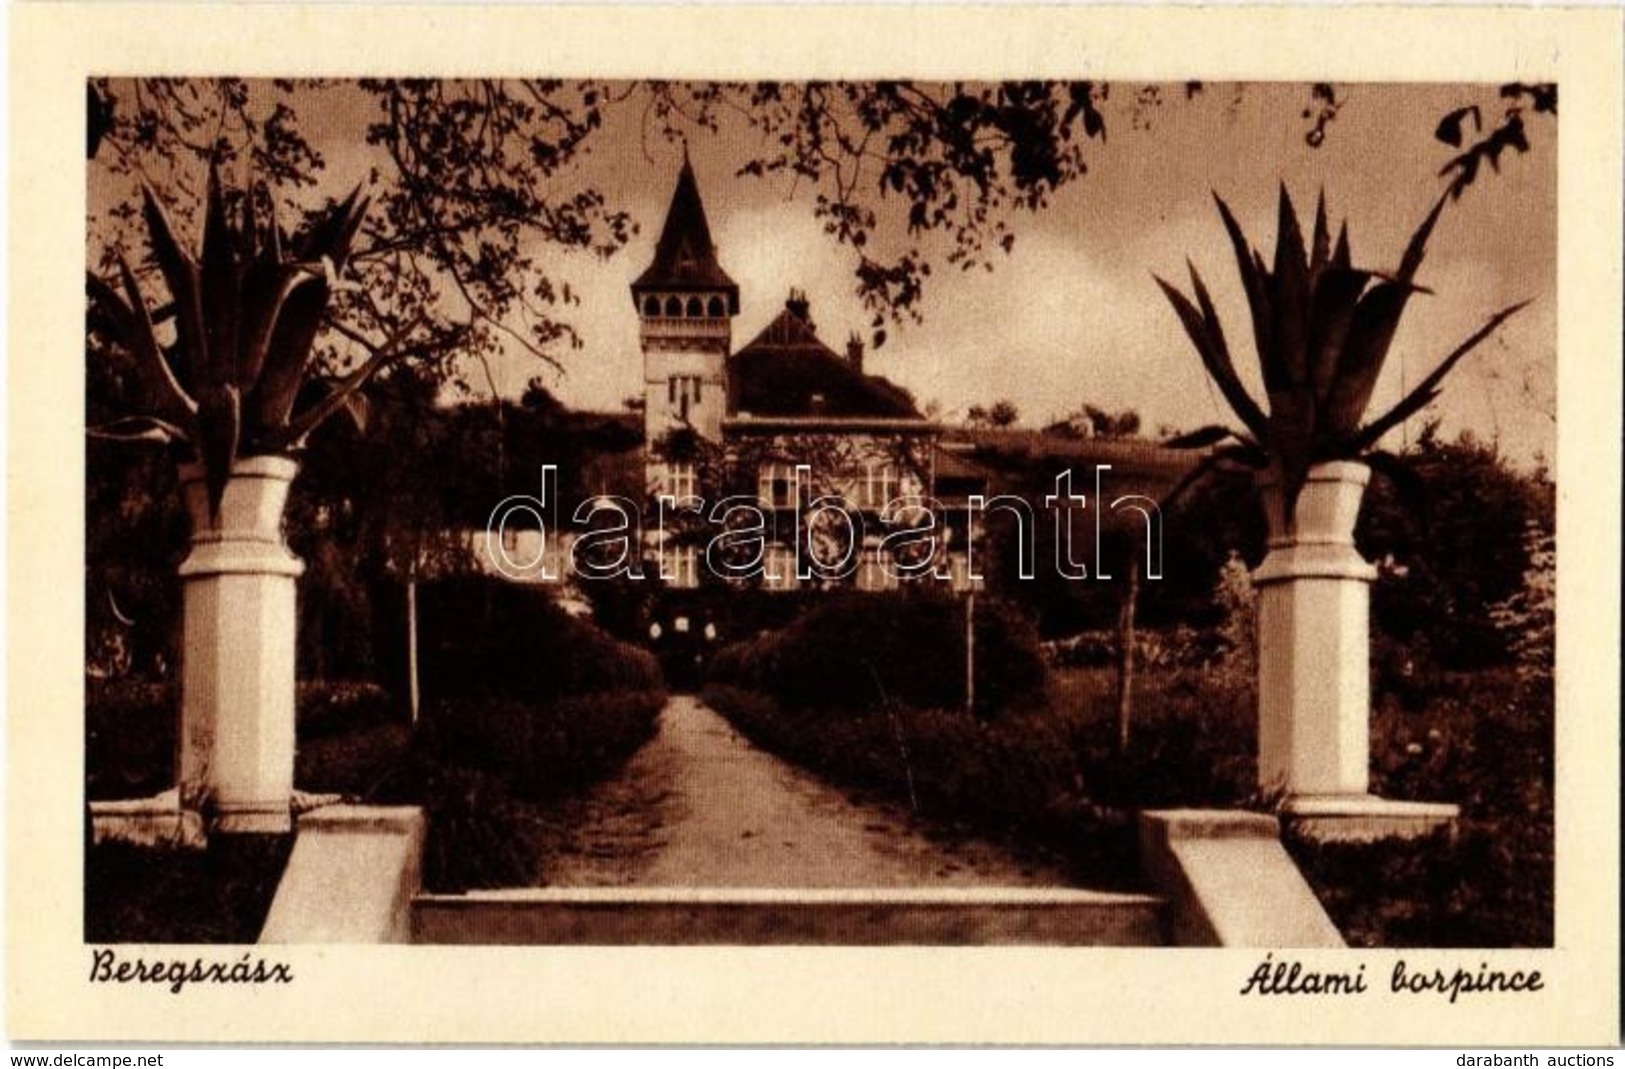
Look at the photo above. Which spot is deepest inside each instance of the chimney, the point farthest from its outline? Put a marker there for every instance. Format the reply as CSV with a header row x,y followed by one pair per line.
x,y
799,306
854,352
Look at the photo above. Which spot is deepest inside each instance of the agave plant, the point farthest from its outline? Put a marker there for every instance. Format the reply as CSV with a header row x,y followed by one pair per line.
x,y
1322,329
246,314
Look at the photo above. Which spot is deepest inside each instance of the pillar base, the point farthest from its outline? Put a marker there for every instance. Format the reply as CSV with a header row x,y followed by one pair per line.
x,y
253,818
158,821
1364,818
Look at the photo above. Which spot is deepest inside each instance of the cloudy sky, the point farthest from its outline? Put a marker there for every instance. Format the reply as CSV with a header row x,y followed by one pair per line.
x,y
1072,315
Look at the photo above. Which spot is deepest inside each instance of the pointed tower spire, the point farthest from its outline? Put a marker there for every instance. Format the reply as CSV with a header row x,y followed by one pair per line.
x,y
685,259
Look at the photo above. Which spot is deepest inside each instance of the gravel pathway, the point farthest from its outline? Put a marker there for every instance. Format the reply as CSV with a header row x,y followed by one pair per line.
x,y
700,806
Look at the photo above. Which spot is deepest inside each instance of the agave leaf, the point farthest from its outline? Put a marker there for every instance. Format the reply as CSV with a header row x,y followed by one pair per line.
x,y
287,354
138,429
331,235
219,429
359,409
1253,278
266,292
1376,318
1289,299
1224,368
133,327
1337,295
1292,438
171,400
1340,255
1245,453
1200,438
1426,390
1417,247
180,272
1216,361
251,228
273,234
1320,245
221,285
294,433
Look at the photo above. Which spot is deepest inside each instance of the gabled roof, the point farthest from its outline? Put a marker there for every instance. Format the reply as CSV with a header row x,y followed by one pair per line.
x,y
685,258
787,371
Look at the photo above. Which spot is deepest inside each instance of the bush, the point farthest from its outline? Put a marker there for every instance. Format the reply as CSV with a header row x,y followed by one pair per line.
x,y
859,651
544,750
490,638
130,729
129,737
1484,741
480,767
1191,739
328,707
218,895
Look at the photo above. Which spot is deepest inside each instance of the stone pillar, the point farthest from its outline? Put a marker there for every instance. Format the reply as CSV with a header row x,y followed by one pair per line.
x,y
1314,690
237,675
1314,666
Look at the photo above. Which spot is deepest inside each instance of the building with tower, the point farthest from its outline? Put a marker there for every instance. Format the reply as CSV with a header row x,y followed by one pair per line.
x,y
784,418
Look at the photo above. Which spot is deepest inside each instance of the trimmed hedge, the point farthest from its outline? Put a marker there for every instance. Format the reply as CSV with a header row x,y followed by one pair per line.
x,y
484,770
543,750
490,638
860,651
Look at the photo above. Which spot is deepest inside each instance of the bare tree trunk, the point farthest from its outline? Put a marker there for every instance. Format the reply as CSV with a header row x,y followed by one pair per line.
x,y
1125,654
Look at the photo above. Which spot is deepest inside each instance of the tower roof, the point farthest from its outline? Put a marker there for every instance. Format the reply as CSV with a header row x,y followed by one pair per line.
x,y
685,259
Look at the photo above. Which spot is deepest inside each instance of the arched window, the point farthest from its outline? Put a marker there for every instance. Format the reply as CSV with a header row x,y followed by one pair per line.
x,y
695,308
716,309
674,307
651,306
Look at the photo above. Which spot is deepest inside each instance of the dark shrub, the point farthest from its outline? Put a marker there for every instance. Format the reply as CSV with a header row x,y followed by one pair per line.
x,y
479,766
545,750
484,637
1483,741
130,730
129,737
327,707
218,895
859,651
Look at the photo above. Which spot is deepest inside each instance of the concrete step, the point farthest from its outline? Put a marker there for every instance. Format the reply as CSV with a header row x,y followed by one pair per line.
x,y
748,916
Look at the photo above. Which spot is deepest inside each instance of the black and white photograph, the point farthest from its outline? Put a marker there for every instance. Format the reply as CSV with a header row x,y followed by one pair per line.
x,y
888,515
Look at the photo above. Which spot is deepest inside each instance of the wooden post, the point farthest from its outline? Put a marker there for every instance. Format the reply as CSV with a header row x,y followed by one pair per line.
x,y
1125,654
412,645
970,652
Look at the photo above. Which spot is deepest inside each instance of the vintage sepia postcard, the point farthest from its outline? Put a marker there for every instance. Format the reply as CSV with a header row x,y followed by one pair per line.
x,y
814,525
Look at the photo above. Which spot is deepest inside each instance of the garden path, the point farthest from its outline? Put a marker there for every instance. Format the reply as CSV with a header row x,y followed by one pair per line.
x,y
700,806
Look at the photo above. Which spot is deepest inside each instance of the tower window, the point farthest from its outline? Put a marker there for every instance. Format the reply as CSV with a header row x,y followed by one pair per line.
x,y
683,391
651,305
674,307
695,309
716,309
